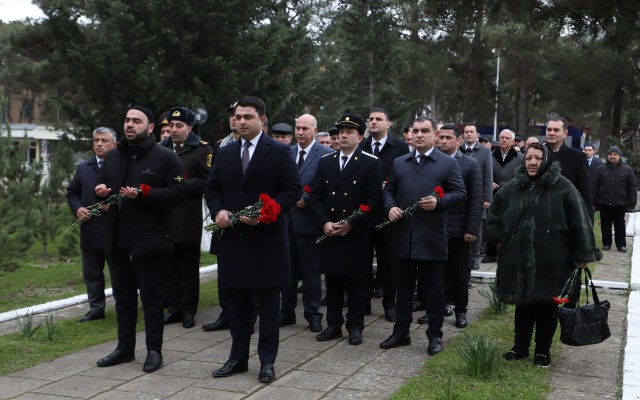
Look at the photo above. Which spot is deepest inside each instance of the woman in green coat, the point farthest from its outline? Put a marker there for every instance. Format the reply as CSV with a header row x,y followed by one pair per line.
x,y
539,227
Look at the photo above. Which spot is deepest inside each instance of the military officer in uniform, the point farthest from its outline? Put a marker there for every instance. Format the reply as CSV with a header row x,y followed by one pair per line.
x,y
182,280
346,180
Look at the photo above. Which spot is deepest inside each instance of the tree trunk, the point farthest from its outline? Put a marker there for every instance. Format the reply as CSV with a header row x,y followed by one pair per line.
x,y
605,126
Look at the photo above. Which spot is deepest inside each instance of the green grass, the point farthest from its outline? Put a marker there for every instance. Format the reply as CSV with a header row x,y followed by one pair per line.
x,y
511,379
18,353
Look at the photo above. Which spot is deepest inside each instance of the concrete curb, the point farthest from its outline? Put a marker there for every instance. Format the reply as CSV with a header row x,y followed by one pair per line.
x,y
71,301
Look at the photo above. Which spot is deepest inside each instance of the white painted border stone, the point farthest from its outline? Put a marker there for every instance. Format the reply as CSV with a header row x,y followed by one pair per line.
x,y
71,301
630,228
631,369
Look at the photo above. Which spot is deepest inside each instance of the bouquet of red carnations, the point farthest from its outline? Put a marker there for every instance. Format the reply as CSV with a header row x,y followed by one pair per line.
x,y
114,199
265,209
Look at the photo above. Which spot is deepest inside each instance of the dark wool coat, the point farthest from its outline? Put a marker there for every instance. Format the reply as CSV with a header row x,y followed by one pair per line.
x,y
422,235
336,195
144,225
195,156
543,229
615,185
254,257
504,171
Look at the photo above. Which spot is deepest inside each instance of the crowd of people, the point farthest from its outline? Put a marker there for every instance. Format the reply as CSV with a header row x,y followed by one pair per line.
x,y
401,219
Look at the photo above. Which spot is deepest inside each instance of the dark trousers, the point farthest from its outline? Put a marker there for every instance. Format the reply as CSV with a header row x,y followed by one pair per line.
x,y
307,253
545,319
223,302
431,272
182,280
93,275
456,274
385,278
335,297
241,306
612,215
128,274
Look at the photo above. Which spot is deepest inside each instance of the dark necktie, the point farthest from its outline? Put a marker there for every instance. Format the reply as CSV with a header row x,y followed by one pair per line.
x,y
344,161
301,159
376,150
100,164
469,150
245,156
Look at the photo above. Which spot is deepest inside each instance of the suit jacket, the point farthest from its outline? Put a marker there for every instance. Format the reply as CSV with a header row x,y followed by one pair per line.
x,y
422,235
252,257
573,166
80,193
303,221
595,163
336,195
392,149
195,156
484,159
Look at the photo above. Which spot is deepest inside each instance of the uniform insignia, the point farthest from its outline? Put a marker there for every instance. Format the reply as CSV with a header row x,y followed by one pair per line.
x,y
178,178
176,113
356,158
209,158
346,119
204,143
165,122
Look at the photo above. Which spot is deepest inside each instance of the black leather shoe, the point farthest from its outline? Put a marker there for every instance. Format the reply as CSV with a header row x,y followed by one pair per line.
x,y
231,367
216,326
474,265
489,259
418,305
267,374
622,249
606,248
435,346
461,320
355,337
448,311
188,321
423,320
287,320
92,316
390,315
315,326
117,357
396,341
378,294
329,334
153,361
173,317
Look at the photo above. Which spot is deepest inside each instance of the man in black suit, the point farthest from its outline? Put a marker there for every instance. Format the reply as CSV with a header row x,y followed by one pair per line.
x,y
304,229
387,148
80,194
345,181
573,162
253,257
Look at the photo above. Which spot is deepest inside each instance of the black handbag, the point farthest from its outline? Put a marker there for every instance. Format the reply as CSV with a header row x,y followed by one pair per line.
x,y
587,324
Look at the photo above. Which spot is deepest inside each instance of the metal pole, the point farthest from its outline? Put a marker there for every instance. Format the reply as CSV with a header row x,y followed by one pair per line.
x,y
495,116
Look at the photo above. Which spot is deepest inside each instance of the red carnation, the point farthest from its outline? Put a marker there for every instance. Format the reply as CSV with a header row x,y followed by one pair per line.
x,y
306,189
145,189
365,208
438,191
560,300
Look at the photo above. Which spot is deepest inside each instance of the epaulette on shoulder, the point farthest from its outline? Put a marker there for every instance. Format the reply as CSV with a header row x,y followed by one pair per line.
x,y
204,143
369,154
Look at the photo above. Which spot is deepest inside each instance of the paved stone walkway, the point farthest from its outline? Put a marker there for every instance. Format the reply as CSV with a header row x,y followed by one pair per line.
x,y
307,369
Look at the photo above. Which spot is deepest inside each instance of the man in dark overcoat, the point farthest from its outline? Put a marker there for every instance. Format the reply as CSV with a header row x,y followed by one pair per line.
x,y
252,256
387,148
138,233
304,229
346,179
419,240
80,194
182,280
